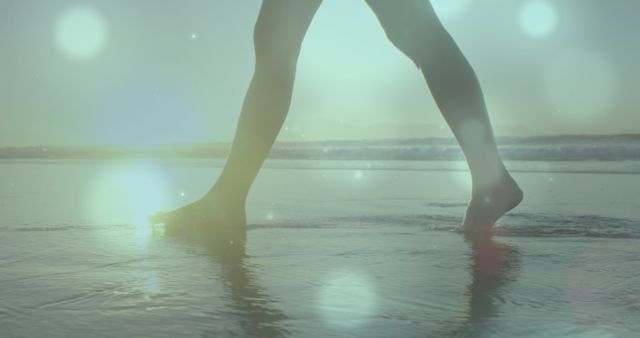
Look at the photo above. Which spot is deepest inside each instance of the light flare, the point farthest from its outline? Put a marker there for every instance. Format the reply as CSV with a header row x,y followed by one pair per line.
x,y
347,299
538,18
81,33
127,193
358,174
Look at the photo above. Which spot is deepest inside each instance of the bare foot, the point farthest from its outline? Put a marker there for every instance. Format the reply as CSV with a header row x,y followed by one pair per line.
x,y
489,204
213,220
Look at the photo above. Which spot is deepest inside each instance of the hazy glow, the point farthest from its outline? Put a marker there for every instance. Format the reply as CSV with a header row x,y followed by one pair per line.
x,y
357,174
346,299
127,194
448,9
152,286
80,33
146,115
180,81
538,18
150,283
580,85
462,175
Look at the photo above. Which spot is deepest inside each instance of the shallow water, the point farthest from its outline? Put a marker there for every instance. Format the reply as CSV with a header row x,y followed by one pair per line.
x,y
331,251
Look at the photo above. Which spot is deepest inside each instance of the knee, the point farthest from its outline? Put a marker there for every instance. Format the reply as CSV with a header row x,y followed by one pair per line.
x,y
274,49
420,42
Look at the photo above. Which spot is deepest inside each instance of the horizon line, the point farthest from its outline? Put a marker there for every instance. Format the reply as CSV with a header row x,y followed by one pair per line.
x,y
211,143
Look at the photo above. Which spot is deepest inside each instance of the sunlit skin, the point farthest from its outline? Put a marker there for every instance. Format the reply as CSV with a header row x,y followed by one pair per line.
x,y
414,28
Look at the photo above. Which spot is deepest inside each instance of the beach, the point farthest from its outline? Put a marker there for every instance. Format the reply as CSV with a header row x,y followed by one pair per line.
x,y
334,249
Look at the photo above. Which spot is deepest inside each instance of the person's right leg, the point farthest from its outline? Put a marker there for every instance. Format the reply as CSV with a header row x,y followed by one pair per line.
x,y
219,217
413,27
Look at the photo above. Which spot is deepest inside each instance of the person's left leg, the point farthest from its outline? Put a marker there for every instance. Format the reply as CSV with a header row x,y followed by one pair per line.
x,y
218,218
413,27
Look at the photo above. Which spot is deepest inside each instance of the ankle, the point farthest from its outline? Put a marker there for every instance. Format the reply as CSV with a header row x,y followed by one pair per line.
x,y
226,193
492,181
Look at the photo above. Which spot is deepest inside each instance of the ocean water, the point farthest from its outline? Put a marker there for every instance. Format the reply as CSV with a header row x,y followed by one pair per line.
x,y
335,249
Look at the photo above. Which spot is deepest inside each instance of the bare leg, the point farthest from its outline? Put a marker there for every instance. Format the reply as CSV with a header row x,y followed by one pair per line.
x,y
413,27
219,217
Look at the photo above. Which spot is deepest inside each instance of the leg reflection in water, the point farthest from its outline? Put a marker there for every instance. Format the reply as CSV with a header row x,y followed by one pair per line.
x,y
257,316
492,265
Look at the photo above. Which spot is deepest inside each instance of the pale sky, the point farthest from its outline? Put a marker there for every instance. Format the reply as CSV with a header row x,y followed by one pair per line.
x,y
150,72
